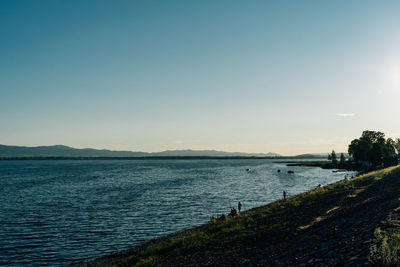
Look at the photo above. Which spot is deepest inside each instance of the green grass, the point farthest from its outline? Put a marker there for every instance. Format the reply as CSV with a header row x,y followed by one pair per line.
x,y
386,251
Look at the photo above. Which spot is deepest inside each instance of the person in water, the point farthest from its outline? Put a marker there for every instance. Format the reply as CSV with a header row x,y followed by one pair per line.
x,y
239,206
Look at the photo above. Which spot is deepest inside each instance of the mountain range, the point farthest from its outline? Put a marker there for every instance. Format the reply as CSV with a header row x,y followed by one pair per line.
x,y
65,151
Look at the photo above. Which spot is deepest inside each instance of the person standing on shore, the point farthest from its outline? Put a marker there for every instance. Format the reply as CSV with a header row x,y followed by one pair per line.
x,y
239,206
284,195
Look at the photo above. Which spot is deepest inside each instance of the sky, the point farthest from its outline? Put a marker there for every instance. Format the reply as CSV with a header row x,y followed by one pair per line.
x,y
288,77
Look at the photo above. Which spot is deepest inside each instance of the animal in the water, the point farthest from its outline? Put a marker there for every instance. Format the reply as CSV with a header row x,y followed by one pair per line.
x,y
290,172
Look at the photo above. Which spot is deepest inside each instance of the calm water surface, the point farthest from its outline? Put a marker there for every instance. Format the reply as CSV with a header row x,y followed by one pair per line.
x,y
60,212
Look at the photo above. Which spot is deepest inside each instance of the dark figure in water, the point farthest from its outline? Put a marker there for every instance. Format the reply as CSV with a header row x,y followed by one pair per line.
x,y
239,206
284,195
279,170
233,212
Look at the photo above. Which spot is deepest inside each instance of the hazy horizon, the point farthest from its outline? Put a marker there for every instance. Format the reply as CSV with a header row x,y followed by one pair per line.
x,y
184,149
255,77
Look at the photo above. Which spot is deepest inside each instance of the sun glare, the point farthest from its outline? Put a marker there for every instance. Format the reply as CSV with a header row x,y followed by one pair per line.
x,y
394,77
391,78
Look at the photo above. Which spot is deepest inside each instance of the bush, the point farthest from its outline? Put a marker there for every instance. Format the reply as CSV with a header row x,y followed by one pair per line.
x,y
390,161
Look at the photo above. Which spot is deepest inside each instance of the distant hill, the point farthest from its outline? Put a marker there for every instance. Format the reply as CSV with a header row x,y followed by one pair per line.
x,y
210,153
65,151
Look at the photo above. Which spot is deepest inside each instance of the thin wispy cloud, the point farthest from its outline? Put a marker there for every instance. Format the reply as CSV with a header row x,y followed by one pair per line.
x,y
345,114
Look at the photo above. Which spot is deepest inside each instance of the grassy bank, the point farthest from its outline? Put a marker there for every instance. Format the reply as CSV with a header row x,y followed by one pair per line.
x,y
351,221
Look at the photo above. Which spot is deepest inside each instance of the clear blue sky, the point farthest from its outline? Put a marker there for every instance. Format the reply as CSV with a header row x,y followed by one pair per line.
x,y
254,76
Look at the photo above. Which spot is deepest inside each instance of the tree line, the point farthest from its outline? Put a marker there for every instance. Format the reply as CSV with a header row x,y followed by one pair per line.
x,y
372,150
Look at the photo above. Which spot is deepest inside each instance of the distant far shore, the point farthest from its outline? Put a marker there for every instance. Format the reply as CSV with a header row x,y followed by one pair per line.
x,y
153,158
327,164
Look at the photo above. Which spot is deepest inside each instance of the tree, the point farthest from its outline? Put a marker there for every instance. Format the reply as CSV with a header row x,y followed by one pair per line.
x,y
358,149
342,159
372,147
397,145
389,148
333,157
375,155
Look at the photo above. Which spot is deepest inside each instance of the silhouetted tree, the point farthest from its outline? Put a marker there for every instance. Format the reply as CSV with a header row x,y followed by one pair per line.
x,y
342,159
371,147
389,148
397,145
333,157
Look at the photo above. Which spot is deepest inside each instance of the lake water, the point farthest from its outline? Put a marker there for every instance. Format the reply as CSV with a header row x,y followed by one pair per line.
x,y
63,211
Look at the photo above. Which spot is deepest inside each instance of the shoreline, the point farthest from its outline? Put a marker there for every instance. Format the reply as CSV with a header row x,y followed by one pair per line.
x,y
326,165
149,158
334,224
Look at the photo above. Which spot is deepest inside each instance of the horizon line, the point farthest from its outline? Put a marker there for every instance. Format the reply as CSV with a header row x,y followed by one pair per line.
x,y
177,150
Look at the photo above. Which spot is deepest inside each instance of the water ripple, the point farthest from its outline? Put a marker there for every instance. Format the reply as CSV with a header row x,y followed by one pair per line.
x,y
59,212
